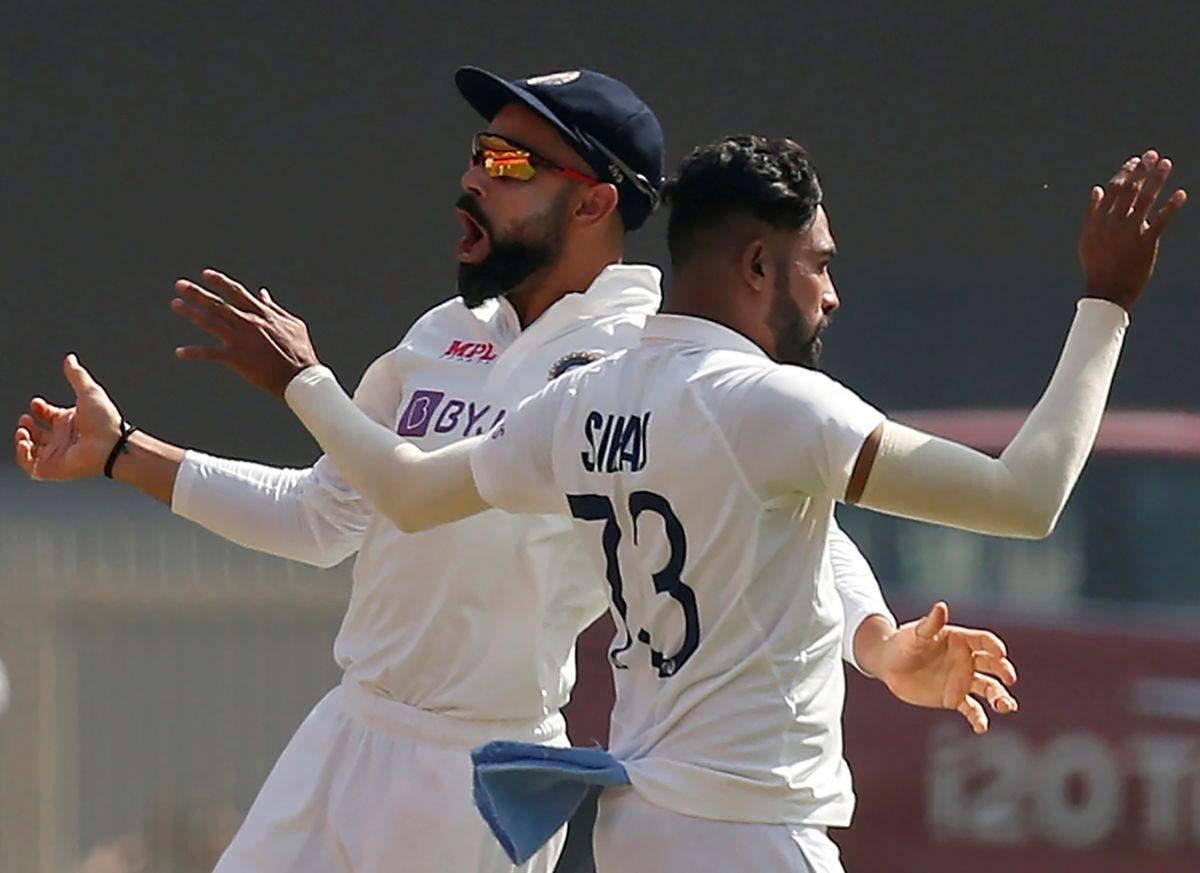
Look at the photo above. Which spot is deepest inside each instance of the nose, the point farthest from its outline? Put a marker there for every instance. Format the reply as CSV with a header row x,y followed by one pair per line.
x,y
830,300
473,180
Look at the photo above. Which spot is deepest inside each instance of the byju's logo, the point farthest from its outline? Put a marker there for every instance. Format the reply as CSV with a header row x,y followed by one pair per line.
x,y
414,421
432,409
483,353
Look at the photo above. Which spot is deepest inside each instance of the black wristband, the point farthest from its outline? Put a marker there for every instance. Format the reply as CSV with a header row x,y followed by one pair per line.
x,y
127,430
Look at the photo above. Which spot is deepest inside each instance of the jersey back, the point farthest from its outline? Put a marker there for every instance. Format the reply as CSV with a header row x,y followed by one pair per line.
x,y
727,658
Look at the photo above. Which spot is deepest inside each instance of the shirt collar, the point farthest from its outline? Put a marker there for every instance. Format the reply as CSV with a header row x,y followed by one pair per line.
x,y
618,289
698,331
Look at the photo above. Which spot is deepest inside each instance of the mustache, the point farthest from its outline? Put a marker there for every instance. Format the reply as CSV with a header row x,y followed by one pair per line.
x,y
470,205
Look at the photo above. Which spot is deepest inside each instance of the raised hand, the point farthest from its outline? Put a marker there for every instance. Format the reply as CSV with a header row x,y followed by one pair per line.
x,y
1119,242
54,443
932,663
262,341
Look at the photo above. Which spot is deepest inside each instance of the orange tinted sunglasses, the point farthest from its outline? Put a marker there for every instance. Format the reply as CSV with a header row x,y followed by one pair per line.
x,y
503,158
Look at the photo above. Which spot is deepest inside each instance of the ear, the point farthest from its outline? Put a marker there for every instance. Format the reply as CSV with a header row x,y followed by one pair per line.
x,y
597,203
756,267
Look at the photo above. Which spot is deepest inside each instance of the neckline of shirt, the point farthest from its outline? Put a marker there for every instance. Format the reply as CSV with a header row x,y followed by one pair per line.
x,y
693,329
617,278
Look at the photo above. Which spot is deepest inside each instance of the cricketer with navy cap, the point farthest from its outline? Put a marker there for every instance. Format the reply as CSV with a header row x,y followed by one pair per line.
x,y
464,633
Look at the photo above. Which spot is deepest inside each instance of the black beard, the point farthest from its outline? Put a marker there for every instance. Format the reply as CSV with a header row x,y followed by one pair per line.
x,y
510,262
795,341
794,348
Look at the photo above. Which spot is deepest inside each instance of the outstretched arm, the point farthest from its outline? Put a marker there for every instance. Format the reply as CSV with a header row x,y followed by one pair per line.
x,y
271,349
306,515
923,663
413,488
904,472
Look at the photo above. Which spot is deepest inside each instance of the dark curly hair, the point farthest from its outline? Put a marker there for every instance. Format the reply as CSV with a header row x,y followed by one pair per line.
x,y
770,178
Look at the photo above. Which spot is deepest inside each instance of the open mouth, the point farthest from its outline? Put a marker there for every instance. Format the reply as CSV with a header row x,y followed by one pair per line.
x,y
475,243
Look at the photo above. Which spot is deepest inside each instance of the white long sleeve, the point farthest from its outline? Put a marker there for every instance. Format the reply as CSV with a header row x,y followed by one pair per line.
x,y
416,490
308,515
311,515
1023,492
857,588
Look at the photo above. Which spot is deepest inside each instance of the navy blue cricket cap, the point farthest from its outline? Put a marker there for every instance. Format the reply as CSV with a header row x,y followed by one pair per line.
x,y
600,118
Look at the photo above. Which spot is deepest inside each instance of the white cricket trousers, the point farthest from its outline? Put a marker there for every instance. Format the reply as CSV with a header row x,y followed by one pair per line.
x,y
368,785
634,836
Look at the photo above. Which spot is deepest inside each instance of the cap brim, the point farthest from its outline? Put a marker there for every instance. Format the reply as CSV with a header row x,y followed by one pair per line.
x,y
488,94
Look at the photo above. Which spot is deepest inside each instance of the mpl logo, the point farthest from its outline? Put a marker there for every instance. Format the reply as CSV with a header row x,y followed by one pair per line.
x,y
483,353
432,409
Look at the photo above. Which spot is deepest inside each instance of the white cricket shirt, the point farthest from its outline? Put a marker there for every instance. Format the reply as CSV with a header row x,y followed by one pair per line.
x,y
475,619
703,477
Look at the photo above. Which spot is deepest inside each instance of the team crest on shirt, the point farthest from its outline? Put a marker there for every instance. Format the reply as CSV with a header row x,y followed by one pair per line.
x,y
570,362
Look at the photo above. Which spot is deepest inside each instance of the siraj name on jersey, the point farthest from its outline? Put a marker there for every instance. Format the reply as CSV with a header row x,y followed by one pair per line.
x,y
616,443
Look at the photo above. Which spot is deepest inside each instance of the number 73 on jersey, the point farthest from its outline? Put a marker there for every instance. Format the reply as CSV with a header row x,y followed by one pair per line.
x,y
598,507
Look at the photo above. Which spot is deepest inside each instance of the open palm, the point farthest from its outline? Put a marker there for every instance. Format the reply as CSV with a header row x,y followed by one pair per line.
x,y
932,663
55,443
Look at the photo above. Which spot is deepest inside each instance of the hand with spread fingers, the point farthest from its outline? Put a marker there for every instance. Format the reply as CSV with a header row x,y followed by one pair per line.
x,y
1119,243
262,341
931,663
56,443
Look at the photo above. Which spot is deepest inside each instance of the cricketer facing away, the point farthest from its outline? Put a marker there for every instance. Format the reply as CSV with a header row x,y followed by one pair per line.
x,y
701,470
462,634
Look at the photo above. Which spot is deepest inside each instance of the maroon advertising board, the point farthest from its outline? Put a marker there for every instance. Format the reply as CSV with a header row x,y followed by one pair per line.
x,y
1098,772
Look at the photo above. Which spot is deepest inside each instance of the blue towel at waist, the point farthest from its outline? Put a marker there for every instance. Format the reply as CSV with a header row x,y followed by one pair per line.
x,y
526,792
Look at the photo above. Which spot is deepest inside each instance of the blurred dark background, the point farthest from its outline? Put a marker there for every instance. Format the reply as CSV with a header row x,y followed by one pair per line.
x,y
316,149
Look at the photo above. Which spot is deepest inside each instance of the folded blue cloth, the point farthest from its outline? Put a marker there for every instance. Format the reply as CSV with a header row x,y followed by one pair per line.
x,y
526,792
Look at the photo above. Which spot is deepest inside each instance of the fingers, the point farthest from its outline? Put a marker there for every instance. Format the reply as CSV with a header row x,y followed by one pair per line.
x,y
233,291
983,641
26,452
203,353
988,642
1119,183
1129,180
934,621
1167,213
991,690
78,378
973,712
38,434
41,414
269,302
45,412
1151,188
206,301
25,435
202,315
1002,668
